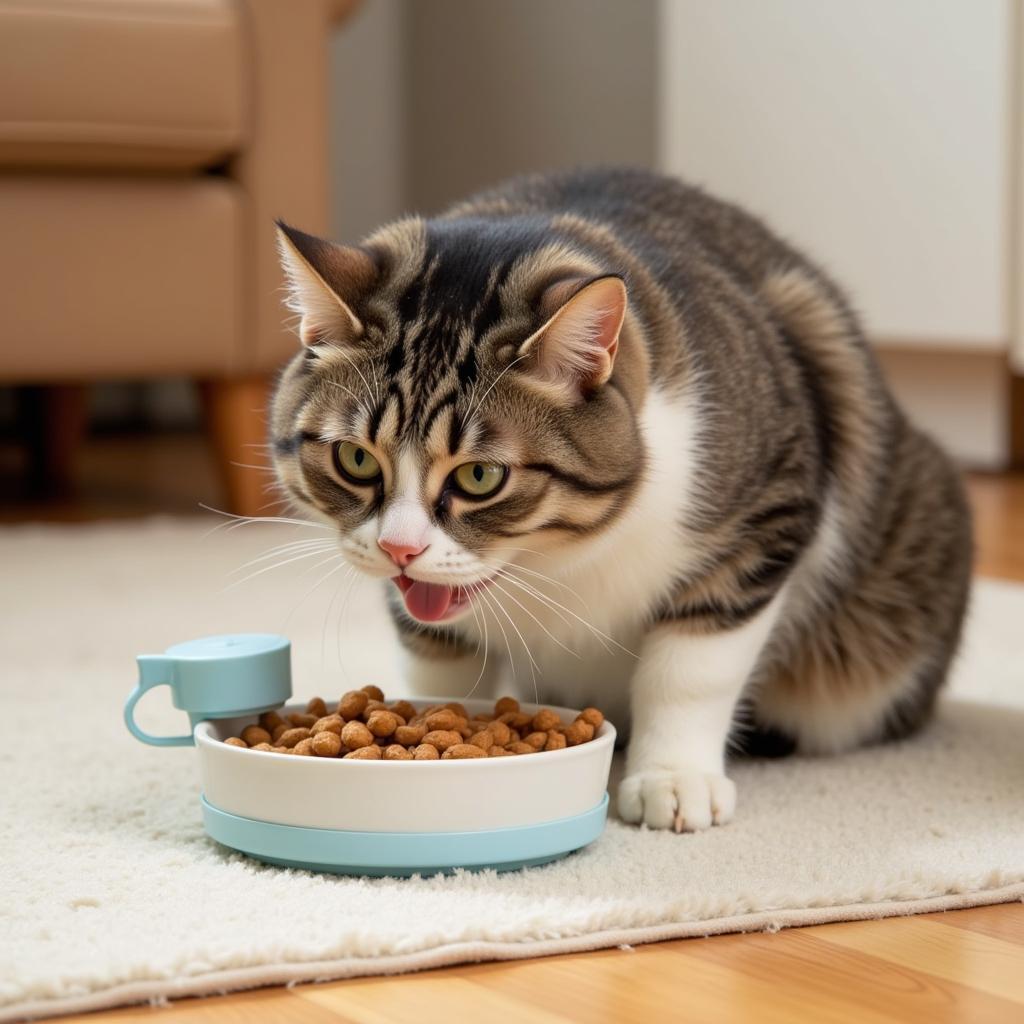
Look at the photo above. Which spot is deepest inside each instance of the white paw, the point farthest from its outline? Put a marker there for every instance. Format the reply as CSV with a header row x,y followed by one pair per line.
x,y
686,800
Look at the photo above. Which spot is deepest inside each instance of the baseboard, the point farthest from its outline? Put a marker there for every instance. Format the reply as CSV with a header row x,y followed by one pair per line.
x,y
962,399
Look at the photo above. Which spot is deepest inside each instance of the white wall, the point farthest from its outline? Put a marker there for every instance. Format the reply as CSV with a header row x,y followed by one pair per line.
x,y
369,146
877,134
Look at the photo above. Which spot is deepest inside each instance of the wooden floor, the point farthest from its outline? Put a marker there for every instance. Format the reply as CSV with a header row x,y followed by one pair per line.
x,y
964,966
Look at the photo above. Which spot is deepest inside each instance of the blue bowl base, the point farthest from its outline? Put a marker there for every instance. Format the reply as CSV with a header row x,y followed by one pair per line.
x,y
401,854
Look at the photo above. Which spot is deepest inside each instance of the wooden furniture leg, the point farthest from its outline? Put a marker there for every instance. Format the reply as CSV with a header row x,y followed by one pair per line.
x,y
52,420
236,425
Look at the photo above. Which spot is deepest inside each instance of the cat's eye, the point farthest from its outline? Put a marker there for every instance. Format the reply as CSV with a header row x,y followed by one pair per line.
x,y
355,463
479,479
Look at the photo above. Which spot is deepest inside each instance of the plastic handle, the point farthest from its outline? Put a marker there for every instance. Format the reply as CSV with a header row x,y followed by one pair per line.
x,y
153,671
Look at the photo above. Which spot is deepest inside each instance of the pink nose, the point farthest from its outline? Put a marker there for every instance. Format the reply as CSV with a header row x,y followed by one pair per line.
x,y
400,554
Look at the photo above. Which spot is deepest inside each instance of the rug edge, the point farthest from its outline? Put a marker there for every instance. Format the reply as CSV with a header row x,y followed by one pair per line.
x,y
266,975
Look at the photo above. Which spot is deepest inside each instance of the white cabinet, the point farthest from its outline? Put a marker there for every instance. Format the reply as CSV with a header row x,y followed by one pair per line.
x,y
877,134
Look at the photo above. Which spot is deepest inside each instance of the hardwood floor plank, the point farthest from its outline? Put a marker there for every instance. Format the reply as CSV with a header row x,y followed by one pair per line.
x,y
1005,921
441,996
985,963
268,1004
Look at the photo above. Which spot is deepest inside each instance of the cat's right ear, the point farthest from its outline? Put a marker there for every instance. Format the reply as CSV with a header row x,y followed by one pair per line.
x,y
321,276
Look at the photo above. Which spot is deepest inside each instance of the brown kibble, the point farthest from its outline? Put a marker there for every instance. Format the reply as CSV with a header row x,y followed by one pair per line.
x,y
383,723
592,717
263,746
370,753
352,704
371,706
445,719
520,721
293,736
497,751
536,740
545,720
326,744
270,720
235,741
279,731
355,736
280,750
329,723
507,718
505,705
442,738
253,734
373,692
425,752
458,751
410,735
521,748
556,741
501,732
304,747
458,709
316,707
303,721
578,732
396,752
483,739
403,709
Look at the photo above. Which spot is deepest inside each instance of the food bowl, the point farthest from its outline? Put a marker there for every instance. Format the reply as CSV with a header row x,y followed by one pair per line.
x,y
403,817
363,817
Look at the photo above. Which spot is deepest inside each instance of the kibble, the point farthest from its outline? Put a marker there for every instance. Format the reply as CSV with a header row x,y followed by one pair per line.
x,y
253,734
326,743
293,736
364,728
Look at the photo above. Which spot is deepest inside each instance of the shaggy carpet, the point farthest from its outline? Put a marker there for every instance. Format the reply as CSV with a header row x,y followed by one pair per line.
x,y
110,892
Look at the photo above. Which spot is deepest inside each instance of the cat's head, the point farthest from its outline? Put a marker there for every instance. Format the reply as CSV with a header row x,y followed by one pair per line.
x,y
466,395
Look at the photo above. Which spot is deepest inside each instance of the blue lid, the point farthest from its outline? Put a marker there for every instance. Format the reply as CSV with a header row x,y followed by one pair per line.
x,y
228,647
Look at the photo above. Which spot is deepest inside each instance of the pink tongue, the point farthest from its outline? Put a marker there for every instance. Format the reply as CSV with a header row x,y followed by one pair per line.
x,y
428,601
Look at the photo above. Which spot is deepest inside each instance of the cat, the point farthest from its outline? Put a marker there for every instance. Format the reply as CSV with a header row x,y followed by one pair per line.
x,y
618,430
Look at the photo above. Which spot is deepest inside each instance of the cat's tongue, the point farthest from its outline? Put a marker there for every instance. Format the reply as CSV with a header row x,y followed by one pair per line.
x,y
428,601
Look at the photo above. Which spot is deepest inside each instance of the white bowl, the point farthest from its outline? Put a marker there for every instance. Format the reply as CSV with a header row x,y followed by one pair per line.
x,y
469,795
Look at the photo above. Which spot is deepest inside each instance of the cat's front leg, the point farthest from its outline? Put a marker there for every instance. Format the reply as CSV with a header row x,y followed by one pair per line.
x,y
683,696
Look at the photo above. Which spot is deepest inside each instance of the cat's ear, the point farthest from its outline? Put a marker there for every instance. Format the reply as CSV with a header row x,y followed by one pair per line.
x,y
321,276
575,348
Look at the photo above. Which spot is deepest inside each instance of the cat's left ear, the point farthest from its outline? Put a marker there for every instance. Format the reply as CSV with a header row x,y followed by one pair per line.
x,y
576,347
323,278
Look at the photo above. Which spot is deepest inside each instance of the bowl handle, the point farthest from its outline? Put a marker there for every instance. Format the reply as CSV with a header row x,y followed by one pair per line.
x,y
154,670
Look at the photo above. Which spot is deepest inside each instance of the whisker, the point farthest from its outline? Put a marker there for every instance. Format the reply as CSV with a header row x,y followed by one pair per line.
x,y
268,568
236,521
476,406
512,597
280,549
552,603
351,362
320,582
533,664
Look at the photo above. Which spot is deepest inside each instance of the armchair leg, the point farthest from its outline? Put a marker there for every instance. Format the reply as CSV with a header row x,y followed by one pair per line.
x,y
52,420
236,425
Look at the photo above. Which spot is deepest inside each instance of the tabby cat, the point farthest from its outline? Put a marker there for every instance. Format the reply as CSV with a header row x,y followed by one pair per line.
x,y
612,434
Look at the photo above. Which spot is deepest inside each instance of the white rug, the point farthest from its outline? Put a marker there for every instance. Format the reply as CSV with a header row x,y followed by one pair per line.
x,y
110,892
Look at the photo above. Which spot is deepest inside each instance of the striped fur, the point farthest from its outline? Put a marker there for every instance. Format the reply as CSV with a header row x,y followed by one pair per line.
x,y
741,504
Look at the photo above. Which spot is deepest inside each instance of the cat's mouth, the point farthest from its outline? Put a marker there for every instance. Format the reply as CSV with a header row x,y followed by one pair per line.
x,y
434,602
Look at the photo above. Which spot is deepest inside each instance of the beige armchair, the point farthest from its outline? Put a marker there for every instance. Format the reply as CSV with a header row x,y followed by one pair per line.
x,y
146,147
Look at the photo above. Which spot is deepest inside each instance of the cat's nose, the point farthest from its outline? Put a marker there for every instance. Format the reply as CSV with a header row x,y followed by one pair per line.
x,y
399,553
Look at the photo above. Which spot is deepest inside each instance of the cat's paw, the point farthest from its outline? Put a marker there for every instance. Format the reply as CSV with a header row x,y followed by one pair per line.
x,y
686,800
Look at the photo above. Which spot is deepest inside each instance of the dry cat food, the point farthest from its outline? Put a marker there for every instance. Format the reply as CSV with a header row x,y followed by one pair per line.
x,y
364,727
